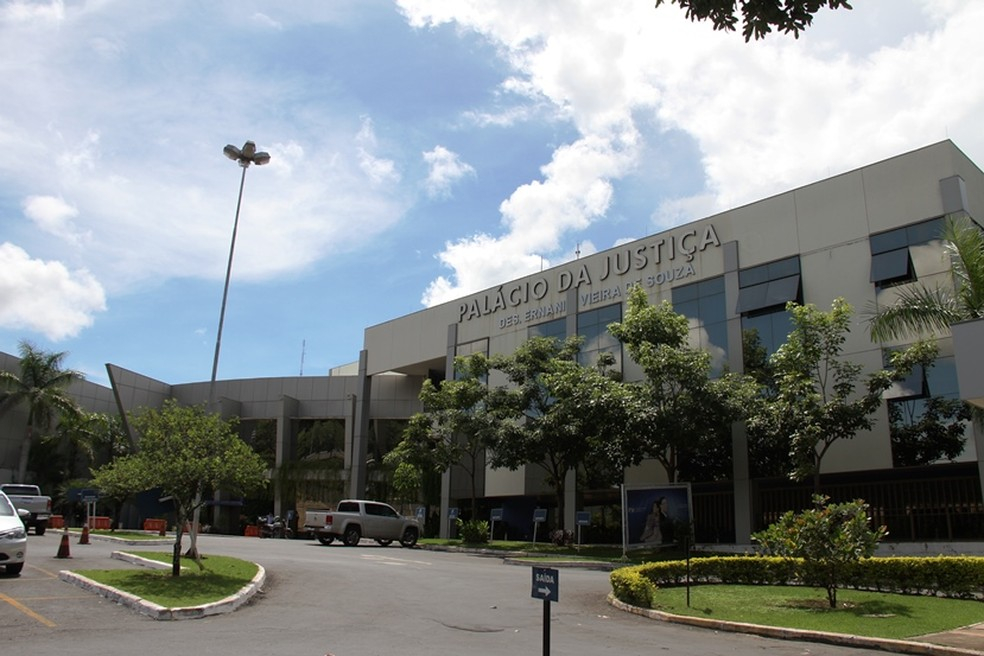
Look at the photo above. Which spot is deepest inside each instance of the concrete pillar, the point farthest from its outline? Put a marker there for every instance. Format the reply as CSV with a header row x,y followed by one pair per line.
x,y
360,436
285,448
739,439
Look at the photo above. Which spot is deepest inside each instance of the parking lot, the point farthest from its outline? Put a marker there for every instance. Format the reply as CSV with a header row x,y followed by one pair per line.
x,y
350,601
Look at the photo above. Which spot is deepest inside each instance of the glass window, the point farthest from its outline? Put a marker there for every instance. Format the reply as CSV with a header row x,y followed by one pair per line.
x,y
923,232
891,266
593,327
888,241
555,328
772,328
753,276
703,303
783,268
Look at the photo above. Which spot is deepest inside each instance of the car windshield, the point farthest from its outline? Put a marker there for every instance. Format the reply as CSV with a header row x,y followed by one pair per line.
x,y
25,490
6,508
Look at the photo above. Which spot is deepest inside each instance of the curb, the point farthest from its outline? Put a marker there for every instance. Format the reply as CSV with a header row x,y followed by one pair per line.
x,y
156,611
840,639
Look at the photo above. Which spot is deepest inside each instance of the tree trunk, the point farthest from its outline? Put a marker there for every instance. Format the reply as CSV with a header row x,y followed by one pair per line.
x,y
25,453
176,551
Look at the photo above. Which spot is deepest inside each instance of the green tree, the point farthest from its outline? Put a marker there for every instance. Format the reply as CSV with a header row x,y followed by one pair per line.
x,y
829,538
185,452
557,415
927,430
685,415
768,451
42,388
822,397
89,439
920,310
759,17
454,427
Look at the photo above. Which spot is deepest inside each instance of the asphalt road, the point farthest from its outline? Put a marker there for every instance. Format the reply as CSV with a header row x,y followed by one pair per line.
x,y
345,601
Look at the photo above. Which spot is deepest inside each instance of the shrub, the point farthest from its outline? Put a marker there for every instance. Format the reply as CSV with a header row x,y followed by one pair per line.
x,y
562,538
631,587
473,531
830,538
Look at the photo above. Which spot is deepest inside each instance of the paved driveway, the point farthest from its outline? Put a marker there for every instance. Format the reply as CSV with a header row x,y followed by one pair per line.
x,y
351,601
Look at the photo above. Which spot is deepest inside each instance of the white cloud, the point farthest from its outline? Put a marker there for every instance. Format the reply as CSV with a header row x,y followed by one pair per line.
x,y
766,116
45,296
53,215
445,168
378,169
21,11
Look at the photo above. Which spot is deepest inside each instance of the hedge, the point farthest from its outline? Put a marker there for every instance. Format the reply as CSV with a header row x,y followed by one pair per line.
x,y
949,576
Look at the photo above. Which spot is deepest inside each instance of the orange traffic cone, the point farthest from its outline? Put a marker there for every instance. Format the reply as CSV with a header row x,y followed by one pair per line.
x,y
85,534
63,551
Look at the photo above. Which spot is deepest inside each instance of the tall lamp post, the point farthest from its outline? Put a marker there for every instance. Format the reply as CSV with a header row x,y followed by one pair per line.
x,y
244,157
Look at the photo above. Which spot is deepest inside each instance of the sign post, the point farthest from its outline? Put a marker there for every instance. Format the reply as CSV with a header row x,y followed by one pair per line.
x,y
539,516
583,519
546,586
496,516
453,517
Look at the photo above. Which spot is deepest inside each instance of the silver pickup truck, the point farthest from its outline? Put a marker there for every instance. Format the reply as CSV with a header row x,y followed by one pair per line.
x,y
29,498
355,519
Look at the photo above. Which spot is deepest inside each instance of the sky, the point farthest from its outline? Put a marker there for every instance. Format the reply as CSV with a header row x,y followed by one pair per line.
x,y
421,150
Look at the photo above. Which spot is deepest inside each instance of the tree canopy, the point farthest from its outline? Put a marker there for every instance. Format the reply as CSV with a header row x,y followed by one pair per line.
x,y
759,17
685,414
822,396
454,427
185,452
556,414
42,388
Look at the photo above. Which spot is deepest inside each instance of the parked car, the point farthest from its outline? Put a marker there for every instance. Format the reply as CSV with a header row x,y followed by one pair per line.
x,y
13,536
29,498
355,519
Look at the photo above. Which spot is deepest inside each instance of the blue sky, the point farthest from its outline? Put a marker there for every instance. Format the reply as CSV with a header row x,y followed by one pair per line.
x,y
421,150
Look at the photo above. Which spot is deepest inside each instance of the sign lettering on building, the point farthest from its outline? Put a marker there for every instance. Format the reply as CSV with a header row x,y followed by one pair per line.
x,y
672,254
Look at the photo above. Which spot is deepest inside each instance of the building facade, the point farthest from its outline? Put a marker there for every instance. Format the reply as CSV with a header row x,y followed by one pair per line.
x,y
861,235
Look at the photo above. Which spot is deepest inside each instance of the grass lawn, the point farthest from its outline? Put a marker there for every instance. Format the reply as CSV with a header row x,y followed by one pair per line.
x,y
128,535
604,553
221,577
872,614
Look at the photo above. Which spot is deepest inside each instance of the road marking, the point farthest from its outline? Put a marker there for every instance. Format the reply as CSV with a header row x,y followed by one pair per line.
x,y
394,561
27,611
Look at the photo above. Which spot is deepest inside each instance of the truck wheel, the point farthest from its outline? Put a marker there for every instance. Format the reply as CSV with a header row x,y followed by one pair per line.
x,y
40,528
352,536
409,538
384,543
14,569
325,539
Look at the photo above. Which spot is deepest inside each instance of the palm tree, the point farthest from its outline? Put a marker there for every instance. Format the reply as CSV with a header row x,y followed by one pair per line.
x,y
920,309
41,387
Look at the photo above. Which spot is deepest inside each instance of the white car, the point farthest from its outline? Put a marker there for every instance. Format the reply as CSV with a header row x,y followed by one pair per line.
x,y
13,537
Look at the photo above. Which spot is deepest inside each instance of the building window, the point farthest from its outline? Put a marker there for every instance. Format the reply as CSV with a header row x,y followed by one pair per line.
x,y
927,419
593,327
471,348
763,292
769,286
703,303
891,263
556,328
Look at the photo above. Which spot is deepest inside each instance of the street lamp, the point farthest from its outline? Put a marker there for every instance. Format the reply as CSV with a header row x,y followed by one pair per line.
x,y
245,156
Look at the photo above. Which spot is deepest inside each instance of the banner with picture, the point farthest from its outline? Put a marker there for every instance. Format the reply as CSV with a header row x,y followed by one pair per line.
x,y
655,515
